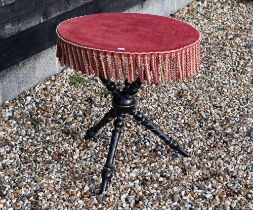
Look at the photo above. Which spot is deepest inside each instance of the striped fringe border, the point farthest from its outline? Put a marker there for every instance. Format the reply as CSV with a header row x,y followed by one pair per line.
x,y
160,67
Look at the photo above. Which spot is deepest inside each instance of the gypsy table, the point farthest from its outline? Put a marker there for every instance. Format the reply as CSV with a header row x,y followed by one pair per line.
x,y
136,48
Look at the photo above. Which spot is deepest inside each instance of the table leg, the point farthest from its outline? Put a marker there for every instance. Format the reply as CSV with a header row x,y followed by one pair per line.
x,y
108,117
139,116
107,171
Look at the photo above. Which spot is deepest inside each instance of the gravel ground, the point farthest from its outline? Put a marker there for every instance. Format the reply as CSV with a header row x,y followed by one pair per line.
x,y
46,164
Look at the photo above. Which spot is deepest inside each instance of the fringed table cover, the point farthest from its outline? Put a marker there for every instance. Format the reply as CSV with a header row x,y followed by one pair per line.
x,y
119,46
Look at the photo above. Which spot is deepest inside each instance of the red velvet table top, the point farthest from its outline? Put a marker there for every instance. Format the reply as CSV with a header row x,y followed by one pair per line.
x,y
129,45
132,32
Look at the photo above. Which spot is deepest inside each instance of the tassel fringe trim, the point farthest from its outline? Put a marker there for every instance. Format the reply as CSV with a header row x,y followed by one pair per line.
x,y
156,67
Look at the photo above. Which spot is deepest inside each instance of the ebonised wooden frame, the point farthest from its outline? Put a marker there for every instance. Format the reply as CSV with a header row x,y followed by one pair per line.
x,y
123,103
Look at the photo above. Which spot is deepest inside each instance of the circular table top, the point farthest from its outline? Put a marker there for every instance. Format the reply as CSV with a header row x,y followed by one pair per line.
x,y
128,32
127,46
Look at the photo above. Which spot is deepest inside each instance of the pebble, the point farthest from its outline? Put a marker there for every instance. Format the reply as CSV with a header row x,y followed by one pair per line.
x,y
227,202
249,121
175,197
208,196
23,133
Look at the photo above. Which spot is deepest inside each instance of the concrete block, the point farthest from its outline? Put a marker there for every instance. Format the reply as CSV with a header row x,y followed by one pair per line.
x,y
159,7
181,3
27,74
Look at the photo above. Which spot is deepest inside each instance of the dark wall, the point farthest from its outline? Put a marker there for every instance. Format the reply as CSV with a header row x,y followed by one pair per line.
x,y
4,2
28,26
23,14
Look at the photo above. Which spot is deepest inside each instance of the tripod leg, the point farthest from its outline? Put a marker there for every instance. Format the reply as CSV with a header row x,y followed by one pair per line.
x,y
108,117
139,116
108,168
